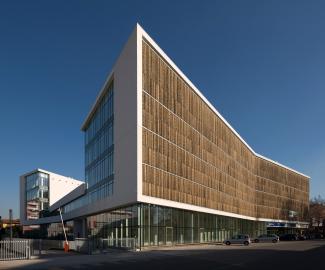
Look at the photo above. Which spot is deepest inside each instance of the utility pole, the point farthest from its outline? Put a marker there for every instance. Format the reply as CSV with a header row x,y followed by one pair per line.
x,y
10,222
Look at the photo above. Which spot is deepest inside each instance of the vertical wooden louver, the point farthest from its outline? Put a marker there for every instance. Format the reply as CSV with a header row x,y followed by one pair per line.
x,y
191,156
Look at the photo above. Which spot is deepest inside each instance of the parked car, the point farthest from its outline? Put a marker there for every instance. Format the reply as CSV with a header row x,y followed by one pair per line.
x,y
243,239
267,238
289,237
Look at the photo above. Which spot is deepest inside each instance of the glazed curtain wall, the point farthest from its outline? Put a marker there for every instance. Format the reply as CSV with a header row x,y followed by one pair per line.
x,y
99,154
37,194
191,156
154,225
99,142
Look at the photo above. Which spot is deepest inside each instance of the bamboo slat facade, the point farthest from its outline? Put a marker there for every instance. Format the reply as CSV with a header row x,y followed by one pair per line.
x,y
191,156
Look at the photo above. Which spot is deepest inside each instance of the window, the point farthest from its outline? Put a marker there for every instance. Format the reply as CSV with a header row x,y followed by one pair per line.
x,y
37,195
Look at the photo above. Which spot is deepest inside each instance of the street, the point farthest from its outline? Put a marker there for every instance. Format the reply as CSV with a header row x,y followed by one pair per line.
x,y
290,255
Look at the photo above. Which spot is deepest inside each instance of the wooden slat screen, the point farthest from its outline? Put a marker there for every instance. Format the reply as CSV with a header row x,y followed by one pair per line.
x,y
191,156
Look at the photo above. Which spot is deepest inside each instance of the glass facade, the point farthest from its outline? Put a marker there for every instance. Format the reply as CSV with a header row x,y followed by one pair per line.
x,y
155,225
99,143
99,154
99,193
37,194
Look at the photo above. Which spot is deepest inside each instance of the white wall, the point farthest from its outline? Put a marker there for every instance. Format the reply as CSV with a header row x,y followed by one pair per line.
x,y
125,123
60,185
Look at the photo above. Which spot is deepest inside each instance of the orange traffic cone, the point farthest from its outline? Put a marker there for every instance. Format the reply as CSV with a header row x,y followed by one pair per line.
x,y
66,247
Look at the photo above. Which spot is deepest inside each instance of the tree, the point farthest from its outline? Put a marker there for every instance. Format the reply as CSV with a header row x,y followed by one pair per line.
x,y
317,212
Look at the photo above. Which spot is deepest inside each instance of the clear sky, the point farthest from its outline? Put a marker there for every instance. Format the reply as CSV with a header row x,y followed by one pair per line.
x,y
261,63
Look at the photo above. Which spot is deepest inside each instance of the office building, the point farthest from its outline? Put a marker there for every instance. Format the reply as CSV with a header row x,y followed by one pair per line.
x,y
39,190
164,167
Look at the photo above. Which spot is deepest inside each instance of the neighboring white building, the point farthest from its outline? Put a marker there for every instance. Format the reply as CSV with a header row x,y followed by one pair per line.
x,y
39,190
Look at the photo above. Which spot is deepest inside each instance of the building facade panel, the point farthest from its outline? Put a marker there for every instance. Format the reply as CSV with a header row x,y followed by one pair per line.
x,y
191,156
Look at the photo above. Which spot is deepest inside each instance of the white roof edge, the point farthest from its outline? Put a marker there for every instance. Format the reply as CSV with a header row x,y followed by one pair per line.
x,y
48,172
36,170
188,81
277,163
144,34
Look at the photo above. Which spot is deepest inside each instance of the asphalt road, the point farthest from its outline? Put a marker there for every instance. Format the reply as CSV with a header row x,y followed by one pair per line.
x,y
283,255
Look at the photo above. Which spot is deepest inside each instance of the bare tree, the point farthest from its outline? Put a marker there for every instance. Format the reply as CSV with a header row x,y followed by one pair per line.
x,y
317,212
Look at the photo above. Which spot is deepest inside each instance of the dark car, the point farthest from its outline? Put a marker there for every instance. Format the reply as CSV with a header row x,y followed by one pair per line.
x,y
289,237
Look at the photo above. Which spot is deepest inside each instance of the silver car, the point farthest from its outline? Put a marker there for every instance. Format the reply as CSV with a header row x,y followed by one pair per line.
x,y
267,238
238,239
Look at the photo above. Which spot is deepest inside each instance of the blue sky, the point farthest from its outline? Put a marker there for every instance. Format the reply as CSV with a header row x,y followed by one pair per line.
x,y
261,63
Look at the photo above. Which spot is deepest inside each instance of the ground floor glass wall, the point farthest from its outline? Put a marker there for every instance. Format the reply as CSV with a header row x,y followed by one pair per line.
x,y
153,225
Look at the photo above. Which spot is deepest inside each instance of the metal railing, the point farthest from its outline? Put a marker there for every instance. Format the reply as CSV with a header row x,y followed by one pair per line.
x,y
25,248
14,250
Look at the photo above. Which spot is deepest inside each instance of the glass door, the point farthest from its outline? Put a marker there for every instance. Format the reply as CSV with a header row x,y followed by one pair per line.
x,y
169,235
